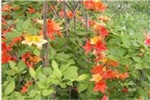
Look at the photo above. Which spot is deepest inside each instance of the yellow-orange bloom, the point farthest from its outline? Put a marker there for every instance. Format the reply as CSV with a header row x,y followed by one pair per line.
x,y
104,18
94,40
36,40
96,77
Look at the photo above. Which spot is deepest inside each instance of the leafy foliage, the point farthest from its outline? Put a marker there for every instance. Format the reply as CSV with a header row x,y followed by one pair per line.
x,y
105,42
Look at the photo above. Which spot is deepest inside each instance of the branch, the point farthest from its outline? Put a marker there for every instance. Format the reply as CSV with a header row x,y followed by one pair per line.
x,y
66,4
86,22
54,11
66,19
46,46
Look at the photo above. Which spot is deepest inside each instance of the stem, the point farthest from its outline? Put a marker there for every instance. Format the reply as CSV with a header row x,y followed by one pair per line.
x,y
66,24
66,19
54,11
86,21
66,4
46,46
69,93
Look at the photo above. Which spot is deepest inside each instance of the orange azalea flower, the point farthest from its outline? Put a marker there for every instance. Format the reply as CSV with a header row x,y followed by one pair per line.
x,y
28,83
87,47
5,48
109,74
70,14
4,23
100,6
5,31
147,40
26,86
100,86
94,5
125,90
117,74
24,89
30,59
105,97
31,10
94,40
61,13
112,63
104,18
96,77
89,4
100,57
97,69
6,57
103,31
123,76
15,40
52,28
99,46
35,59
6,7
91,22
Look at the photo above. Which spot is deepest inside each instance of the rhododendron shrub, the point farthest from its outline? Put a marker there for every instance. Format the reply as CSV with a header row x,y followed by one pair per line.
x,y
74,50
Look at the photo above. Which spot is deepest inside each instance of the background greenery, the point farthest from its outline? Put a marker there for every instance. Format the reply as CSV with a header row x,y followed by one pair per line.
x,y
130,20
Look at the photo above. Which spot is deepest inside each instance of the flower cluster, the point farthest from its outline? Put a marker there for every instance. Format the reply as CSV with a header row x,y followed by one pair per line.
x,y
26,86
30,59
96,5
52,28
104,68
5,53
36,40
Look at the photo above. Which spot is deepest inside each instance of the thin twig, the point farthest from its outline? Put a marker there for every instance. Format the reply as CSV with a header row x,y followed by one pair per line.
x,y
46,49
86,22
55,11
69,93
66,4
66,19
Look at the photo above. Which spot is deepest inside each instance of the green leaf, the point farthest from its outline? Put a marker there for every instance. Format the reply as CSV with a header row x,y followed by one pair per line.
x,y
137,59
26,24
10,72
21,66
56,71
82,87
52,53
65,66
41,85
13,66
47,70
126,40
52,79
10,87
32,31
82,77
36,52
70,83
47,92
32,93
142,92
62,85
13,34
62,56
42,77
32,72
71,73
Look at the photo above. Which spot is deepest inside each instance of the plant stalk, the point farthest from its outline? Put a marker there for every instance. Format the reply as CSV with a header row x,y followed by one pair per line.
x,y
46,46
